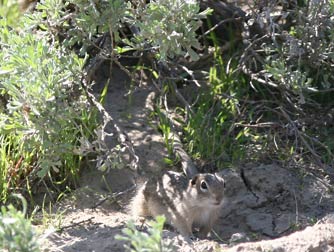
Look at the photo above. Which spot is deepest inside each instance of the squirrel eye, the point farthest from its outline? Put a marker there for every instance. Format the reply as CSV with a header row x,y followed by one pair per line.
x,y
204,186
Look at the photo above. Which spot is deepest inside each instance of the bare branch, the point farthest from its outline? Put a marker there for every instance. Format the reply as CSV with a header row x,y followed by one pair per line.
x,y
122,137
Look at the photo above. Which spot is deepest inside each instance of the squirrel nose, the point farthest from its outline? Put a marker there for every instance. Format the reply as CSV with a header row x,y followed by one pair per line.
x,y
218,198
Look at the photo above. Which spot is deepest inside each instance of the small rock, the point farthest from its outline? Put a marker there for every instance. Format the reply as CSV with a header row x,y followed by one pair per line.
x,y
238,237
148,139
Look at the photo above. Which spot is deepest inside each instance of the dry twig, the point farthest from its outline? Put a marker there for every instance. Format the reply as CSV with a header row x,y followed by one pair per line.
x,y
114,196
122,137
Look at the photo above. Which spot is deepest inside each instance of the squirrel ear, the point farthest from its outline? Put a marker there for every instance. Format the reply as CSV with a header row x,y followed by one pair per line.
x,y
193,180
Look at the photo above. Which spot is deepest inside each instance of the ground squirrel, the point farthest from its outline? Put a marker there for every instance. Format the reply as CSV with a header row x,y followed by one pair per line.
x,y
187,203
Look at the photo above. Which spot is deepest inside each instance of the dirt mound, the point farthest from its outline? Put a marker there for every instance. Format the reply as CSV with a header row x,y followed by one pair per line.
x,y
319,238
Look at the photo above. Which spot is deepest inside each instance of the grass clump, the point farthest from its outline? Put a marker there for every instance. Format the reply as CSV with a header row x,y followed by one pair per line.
x,y
150,241
210,131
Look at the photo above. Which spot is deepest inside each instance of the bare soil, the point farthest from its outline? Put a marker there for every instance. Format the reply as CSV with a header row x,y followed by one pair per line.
x,y
267,207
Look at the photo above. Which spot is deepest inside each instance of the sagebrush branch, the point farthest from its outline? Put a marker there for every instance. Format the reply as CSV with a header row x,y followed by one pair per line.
x,y
122,137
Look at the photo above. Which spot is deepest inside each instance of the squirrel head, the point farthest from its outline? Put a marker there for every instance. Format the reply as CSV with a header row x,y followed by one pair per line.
x,y
208,188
